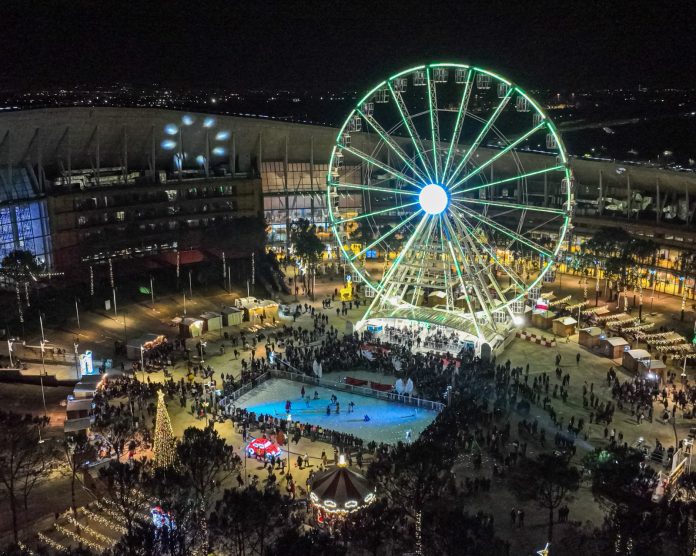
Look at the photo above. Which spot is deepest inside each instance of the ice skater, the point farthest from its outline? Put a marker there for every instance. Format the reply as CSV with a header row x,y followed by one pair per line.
x,y
408,436
316,395
351,407
288,406
328,409
366,418
307,401
302,393
338,408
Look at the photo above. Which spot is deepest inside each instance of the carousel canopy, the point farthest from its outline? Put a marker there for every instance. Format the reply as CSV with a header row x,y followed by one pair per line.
x,y
340,490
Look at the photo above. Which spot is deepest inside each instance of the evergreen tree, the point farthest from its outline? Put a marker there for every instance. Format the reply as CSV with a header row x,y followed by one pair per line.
x,y
165,445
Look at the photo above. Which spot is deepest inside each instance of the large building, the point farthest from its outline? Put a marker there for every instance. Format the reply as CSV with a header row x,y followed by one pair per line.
x,y
81,185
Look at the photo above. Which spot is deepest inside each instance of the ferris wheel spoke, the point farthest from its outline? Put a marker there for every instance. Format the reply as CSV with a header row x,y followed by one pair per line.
x,y
392,144
506,231
461,114
375,213
465,291
379,289
466,229
556,168
411,128
385,236
473,279
491,160
373,188
484,130
445,265
434,123
424,253
381,165
510,206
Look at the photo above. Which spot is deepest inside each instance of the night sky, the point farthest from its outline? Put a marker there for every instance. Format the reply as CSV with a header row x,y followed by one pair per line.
x,y
344,45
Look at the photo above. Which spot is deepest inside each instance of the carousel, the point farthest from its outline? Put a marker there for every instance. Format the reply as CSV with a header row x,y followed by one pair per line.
x,y
337,492
262,448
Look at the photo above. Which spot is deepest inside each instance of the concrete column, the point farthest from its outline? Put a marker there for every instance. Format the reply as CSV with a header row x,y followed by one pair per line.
x,y
287,199
98,153
688,204
311,177
630,202
39,162
233,154
153,156
68,138
124,145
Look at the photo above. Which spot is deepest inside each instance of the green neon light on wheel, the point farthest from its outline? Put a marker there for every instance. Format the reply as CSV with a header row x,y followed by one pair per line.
x,y
442,209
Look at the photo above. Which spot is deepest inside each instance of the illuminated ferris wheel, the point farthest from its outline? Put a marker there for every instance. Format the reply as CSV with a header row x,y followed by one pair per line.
x,y
466,197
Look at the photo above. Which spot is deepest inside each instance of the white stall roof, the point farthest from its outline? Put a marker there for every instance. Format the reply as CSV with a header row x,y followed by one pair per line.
x,y
638,354
617,341
567,321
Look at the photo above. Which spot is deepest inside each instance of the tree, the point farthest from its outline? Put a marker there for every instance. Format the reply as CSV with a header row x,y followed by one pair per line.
x,y
619,475
78,451
205,462
547,479
122,479
307,246
164,443
20,265
243,519
23,461
412,476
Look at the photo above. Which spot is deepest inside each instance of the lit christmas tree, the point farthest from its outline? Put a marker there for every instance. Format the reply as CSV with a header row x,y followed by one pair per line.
x,y
165,444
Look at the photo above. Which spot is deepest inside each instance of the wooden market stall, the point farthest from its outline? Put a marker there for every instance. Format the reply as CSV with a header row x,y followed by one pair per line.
x,y
564,326
543,319
614,347
232,316
212,321
590,337
632,358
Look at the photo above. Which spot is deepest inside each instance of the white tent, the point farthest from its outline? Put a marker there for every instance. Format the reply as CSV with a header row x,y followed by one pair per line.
x,y
409,387
316,367
399,386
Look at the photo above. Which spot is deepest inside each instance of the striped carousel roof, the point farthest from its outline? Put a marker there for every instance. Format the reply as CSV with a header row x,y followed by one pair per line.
x,y
340,490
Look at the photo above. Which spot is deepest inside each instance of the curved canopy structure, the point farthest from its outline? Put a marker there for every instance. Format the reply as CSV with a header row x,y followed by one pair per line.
x,y
340,490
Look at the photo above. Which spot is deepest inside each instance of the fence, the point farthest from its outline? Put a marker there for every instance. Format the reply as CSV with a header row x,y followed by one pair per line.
x,y
361,390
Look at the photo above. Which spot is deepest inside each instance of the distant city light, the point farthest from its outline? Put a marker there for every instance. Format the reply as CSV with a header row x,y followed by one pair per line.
x,y
219,151
200,159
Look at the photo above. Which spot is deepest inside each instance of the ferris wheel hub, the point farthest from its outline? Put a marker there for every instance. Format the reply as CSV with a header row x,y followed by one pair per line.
x,y
433,198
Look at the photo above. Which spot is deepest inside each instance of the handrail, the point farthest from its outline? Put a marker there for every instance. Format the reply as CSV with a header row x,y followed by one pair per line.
x,y
360,390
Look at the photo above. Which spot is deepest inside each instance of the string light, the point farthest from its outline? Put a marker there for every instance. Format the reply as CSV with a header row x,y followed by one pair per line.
x,y
91,281
50,542
253,269
111,273
19,304
68,533
178,260
164,444
26,293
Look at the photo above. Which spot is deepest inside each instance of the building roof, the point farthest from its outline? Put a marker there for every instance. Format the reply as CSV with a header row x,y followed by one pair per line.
x,y
616,341
638,354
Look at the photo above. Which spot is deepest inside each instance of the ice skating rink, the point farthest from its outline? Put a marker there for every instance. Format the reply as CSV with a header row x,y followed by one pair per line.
x,y
389,421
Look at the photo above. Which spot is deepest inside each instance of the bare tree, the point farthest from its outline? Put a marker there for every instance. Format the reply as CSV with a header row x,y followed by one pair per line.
x,y
23,461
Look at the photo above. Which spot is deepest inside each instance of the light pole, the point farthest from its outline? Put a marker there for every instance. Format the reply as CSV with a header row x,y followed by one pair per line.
x,y
142,361
43,366
190,286
184,303
152,292
10,343
77,314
